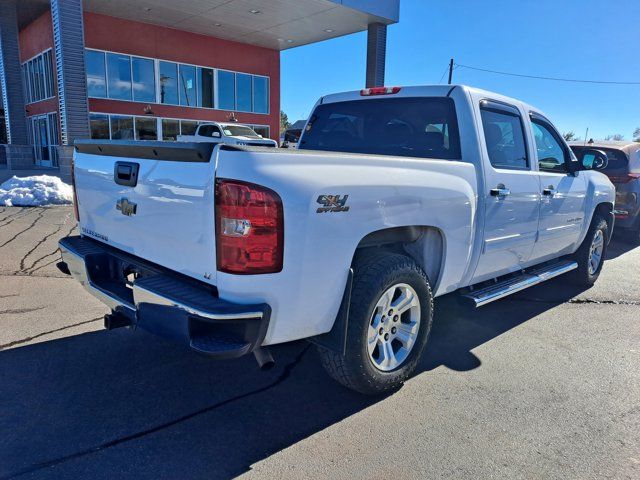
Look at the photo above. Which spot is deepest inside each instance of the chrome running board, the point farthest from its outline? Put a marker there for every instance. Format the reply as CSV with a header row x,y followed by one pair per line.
x,y
512,285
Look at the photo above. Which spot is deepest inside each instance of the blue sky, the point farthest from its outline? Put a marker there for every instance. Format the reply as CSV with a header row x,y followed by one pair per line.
x,y
584,39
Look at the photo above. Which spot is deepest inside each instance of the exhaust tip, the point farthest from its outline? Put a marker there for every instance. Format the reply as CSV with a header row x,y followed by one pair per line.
x,y
264,358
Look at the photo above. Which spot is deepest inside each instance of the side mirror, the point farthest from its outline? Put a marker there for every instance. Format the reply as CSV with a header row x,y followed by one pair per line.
x,y
593,159
216,134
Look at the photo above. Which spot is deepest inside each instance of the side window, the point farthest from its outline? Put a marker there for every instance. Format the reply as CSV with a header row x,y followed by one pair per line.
x,y
504,136
208,130
551,154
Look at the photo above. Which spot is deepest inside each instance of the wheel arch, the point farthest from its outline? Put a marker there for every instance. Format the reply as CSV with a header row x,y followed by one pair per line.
x,y
423,243
606,210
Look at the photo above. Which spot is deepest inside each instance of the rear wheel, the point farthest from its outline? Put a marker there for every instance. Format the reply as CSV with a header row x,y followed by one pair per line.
x,y
390,317
590,256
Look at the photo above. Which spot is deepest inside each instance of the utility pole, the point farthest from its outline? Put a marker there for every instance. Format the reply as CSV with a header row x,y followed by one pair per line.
x,y
450,71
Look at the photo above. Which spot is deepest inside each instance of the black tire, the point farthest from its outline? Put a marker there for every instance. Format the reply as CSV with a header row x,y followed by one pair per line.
x,y
583,275
372,277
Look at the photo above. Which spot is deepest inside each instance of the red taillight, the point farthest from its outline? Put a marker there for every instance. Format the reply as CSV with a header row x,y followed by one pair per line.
x,y
629,177
249,228
75,195
365,92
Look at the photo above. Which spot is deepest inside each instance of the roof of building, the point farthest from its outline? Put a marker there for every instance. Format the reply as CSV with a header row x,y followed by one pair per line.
x,y
275,24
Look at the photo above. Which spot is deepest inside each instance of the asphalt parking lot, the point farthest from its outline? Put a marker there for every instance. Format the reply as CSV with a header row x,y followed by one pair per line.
x,y
545,384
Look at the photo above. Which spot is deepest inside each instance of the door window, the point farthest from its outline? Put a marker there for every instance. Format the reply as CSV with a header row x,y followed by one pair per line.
x,y
551,154
504,136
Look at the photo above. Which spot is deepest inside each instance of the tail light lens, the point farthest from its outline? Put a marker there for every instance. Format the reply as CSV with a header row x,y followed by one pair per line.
x,y
249,228
75,195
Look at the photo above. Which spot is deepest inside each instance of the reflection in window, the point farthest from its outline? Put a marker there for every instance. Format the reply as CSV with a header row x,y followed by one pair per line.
x,y
146,128
260,94
226,90
187,86
243,92
261,130
121,127
168,83
119,76
170,129
99,125
188,127
144,82
205,87
504,138
96,74
550,152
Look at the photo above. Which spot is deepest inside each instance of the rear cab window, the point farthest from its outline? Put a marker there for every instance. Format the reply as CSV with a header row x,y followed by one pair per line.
x,y
424,127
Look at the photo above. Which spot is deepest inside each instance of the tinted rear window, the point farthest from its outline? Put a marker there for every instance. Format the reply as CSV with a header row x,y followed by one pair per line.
x,y
409,127
618,160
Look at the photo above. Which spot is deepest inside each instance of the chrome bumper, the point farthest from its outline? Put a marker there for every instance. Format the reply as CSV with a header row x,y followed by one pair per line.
x,y
163,302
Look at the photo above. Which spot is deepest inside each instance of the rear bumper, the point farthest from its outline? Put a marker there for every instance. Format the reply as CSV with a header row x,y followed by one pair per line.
x,y
164,302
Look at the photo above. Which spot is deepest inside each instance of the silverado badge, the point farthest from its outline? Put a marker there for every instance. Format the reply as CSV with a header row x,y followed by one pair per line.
x,y
126,207
332,203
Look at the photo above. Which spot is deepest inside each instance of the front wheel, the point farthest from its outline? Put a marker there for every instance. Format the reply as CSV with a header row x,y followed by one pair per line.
x,y
591,254
390,318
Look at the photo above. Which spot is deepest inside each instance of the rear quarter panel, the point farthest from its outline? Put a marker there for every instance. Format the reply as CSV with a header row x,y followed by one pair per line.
x,y
383,192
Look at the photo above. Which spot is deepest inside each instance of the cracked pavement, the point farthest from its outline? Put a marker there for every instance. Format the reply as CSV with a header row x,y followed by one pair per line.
x,y
545,384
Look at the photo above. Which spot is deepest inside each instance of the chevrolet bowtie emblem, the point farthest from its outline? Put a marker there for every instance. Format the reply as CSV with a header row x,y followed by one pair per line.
x,y
126,207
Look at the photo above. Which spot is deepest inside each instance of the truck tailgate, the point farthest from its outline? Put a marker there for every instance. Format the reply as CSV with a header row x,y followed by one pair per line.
x,y
166,215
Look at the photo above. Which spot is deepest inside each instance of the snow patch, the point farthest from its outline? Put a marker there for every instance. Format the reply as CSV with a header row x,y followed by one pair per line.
x,y
35,191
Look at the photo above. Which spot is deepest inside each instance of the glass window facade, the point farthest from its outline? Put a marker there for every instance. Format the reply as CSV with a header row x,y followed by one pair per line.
x,y
226,90
243,92
260,94
125,77
187,85
119,76
99,125
96,74
170,129
146,128
205,87
144,79
261,130
37,78
188,127
168,83
121,127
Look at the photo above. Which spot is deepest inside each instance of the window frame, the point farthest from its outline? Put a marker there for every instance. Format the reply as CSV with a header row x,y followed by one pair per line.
x,y
504,108
215,80
38,79
538,118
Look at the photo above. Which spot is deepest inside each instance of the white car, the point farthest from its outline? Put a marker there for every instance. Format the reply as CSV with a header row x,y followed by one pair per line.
x,y
393,197
229,133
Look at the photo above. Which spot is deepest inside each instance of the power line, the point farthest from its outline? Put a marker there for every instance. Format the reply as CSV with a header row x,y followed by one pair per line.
x,y
571,80
446,69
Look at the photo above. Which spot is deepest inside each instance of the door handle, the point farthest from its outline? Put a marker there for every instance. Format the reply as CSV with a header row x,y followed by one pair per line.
x,y
500,191
549,191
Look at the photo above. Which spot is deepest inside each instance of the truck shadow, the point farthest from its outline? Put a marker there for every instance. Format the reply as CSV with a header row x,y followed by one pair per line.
x,y
127,402
621,243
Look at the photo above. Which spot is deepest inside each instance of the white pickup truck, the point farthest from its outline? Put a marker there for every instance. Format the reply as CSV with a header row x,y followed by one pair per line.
x,y
229,133
395,196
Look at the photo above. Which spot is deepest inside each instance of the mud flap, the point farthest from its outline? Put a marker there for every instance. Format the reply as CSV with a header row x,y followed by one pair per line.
x,y
336,338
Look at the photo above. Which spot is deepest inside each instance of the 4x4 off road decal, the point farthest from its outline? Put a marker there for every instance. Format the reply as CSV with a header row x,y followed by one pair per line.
x,y
332,203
